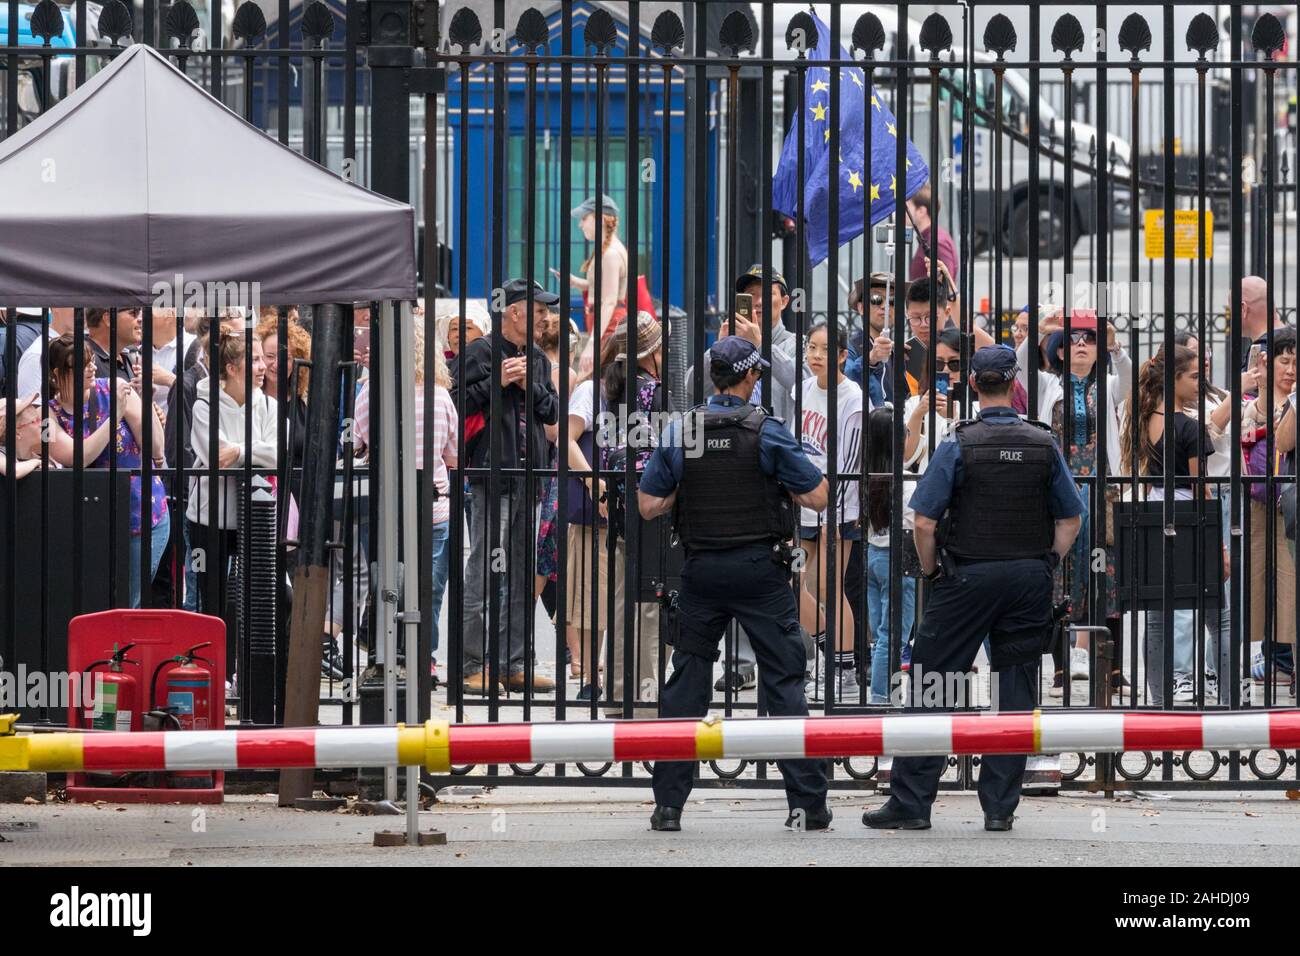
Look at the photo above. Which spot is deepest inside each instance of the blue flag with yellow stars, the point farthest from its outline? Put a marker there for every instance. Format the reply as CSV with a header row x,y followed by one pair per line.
x,y
853,174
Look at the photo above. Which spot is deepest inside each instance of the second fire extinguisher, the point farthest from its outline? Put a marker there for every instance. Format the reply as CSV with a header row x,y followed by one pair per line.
x,y
188,688
116,701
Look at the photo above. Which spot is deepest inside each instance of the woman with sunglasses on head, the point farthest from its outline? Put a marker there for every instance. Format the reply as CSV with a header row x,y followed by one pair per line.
x,y
99,428
1069,395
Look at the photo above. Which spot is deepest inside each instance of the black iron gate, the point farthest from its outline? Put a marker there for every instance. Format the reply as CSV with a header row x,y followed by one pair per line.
x,y
497,118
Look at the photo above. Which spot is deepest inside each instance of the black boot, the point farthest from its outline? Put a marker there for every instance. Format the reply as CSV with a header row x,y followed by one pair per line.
x,y
891,817
818,818
666,819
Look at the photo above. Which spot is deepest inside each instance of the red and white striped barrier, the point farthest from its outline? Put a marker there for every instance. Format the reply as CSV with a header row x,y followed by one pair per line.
x,y
437,745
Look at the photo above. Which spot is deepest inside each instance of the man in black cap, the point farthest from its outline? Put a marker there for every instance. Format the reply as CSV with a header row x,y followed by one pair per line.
x,y
783,340
733,506
1012,512
520,439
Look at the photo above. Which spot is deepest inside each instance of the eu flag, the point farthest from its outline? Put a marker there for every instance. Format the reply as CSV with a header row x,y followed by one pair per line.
x,y
853,174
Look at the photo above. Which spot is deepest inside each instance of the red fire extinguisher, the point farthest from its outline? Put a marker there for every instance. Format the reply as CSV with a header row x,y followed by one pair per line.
x,y
188,690
116,701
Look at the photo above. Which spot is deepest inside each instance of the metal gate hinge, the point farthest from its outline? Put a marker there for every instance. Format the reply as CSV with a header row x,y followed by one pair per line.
x,y
425,80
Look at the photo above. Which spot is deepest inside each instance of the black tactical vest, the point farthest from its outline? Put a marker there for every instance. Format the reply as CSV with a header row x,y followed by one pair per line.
x,y
724,500
1000,511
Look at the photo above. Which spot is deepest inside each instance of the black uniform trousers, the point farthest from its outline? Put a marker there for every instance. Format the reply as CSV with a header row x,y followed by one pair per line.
x,y
1010,602
748,585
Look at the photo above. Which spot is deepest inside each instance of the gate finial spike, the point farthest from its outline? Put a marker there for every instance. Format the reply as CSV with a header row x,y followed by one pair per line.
x,y
1134,35
1202,35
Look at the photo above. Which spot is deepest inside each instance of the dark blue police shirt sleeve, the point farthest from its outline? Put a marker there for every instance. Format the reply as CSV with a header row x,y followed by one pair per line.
x,y
781,456
1063,499
934,491
664,469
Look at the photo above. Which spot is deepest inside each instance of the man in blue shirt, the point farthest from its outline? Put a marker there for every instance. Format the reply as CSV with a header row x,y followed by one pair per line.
x,y
1010,512
733,493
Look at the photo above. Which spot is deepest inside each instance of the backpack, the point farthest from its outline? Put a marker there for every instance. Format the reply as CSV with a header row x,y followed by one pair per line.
x,y
614,457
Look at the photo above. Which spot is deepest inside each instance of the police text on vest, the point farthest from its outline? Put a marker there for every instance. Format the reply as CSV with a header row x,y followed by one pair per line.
x,y
1011,456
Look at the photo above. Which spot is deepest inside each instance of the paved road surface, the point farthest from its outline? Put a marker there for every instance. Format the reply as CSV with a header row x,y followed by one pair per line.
x,y
518,826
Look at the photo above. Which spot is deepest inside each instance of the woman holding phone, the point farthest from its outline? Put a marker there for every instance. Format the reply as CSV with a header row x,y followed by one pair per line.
x,y
1070,401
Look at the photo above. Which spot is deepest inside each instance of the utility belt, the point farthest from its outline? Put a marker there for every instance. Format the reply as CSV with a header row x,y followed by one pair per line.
x,y
781,552
782,555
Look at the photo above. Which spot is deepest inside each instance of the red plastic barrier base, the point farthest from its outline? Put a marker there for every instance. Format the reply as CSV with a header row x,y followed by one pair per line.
x,y
157,635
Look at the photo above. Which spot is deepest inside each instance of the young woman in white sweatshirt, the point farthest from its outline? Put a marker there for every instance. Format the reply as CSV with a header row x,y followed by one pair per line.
x,y
218,543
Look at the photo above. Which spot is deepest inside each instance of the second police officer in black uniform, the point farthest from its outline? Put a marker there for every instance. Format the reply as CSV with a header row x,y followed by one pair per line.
x,y
733,509
1012,514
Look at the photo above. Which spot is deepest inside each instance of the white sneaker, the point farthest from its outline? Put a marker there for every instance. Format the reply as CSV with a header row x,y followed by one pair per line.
x,y
1184,690
1058,687
1211,689
1078,663
847,690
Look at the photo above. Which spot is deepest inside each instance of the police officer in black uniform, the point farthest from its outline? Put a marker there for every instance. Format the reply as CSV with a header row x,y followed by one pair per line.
x,y
1012,514
733,507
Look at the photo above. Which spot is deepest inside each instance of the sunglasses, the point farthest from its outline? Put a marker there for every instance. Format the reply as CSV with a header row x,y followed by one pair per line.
x,y
877,299
1083,336
952,365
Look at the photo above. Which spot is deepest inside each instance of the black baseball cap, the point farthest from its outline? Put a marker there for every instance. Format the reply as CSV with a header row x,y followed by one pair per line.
x,y
755,274
516,290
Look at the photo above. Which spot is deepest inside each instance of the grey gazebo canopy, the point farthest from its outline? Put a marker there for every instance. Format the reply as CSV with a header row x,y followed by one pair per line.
x,y
141,177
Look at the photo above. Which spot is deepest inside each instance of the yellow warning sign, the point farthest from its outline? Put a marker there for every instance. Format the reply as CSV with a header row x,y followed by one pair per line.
x,y
1186,234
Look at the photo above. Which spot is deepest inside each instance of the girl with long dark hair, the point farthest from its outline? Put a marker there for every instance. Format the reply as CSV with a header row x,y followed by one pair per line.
x,y
878,462
1147,418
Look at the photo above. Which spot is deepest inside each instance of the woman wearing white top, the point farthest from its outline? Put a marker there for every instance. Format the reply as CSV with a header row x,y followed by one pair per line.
x,y
816,528
218,543
1083,363
587,561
